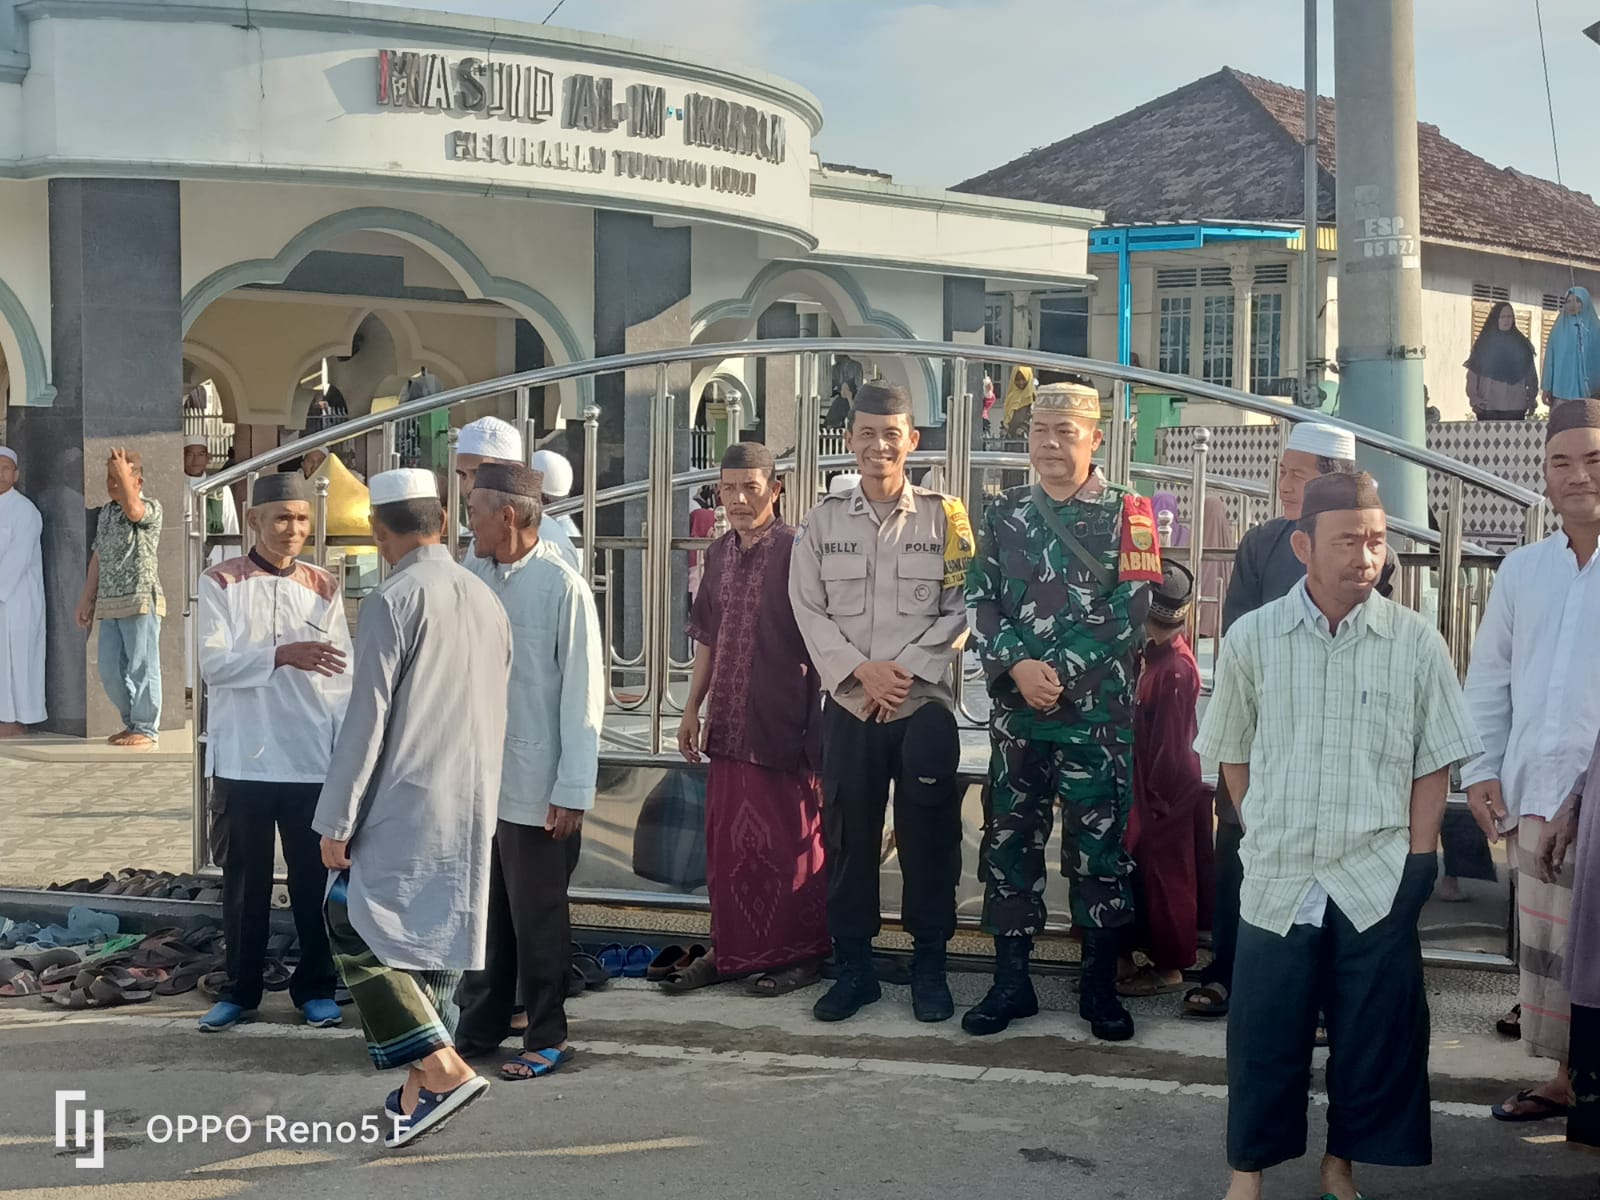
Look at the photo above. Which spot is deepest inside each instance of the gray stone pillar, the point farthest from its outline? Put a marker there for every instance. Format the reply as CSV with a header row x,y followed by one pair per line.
x,y
641,302
776,381
117,356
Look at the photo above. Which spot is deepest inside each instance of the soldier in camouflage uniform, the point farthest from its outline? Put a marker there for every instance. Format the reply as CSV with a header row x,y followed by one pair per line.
x,y
1057,605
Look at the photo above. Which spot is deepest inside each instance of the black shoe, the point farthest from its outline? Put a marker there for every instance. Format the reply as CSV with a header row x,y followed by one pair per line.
x,y
1097,989
930,992
857,986
1012,997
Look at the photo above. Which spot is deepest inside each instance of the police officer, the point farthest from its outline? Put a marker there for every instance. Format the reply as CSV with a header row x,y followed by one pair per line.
x,y
877,585
1058,603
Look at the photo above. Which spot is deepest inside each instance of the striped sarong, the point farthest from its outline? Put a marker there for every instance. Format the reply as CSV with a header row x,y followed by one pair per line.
x,y
1542,913
406,1015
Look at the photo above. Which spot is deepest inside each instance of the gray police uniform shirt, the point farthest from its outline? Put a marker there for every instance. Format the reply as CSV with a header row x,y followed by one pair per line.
x,y
870,590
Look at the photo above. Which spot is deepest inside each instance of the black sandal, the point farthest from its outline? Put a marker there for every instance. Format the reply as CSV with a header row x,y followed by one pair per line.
x,y
1510,1025
1208,1001
781,983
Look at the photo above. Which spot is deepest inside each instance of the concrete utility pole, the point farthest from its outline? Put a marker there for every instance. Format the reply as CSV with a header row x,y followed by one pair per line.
x,y
1310,350
1380,238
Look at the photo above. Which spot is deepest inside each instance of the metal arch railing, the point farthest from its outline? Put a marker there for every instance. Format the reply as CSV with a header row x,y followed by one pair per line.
x,y
806,468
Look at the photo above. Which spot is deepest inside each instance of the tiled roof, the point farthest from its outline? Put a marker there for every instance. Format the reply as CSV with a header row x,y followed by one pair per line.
x,y
1230,146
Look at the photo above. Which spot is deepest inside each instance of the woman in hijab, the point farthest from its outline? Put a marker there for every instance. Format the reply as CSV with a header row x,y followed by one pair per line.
x,y
1572,351
1502,379
1018,410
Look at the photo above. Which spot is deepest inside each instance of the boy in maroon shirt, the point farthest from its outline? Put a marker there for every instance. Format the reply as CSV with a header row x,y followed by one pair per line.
x,y
1169,831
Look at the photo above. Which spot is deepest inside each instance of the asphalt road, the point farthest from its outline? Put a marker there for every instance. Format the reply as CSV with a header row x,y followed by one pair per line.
x,y
712,1096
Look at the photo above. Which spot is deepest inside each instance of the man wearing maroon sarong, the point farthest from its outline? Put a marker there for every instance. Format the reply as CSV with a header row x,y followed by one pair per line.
x,y
761,732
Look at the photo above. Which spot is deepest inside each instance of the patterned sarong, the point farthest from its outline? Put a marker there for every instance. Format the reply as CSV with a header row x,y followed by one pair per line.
x,y
406,1015
1542,913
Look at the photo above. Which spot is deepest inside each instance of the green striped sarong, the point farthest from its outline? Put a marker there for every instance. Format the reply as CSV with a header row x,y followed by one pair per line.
x,y
406,1015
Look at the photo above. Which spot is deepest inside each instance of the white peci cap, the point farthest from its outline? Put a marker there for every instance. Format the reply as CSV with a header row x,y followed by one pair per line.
x,y
407,483
840,484
8,452
491,437
557,472
1325,441
196,439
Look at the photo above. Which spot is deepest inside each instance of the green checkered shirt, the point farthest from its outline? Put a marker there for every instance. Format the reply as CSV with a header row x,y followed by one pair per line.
x,y
1334,729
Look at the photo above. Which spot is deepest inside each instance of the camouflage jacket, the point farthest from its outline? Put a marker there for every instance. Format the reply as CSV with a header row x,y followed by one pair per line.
x,y
1031,597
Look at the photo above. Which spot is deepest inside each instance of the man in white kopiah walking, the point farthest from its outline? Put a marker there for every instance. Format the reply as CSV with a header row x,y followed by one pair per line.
x,y
21,605
491,440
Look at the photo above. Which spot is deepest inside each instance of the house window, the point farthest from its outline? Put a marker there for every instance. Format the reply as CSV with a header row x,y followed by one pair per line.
x,y
1216,347
1064,325
1266,337
1176,333
1551,308
995,311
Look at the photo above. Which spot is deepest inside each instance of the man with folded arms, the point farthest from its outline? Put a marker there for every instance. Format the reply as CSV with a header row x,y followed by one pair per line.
x,y
1336,718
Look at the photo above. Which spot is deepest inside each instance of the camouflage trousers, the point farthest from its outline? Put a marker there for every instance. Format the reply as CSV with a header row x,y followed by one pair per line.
x,y
1026,781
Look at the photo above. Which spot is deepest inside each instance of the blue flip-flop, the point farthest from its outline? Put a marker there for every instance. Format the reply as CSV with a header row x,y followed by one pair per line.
x,y
637,961
433,1110
614,959
538,1063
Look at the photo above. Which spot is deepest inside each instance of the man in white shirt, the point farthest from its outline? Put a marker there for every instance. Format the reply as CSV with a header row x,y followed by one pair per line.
x,y
1535,697
273,651
220,516
557,472
491,440
21,605
554,706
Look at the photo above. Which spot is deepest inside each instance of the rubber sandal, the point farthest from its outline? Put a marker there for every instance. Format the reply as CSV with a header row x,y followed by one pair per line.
x,y
636,962
106,989
671,958
1195,1001
1507,1027
613,958
1146,982
547,1061
22,983
1544,1108
275,976
185,977
781,983
595,976
700,973
577,985
433,1110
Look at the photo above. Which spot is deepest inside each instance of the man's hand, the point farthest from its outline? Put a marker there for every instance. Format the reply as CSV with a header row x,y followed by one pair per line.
x,y
561,823
336,855
320,658
85,614
887,685
121,471
692,736
1560,831
1038,682
1488,807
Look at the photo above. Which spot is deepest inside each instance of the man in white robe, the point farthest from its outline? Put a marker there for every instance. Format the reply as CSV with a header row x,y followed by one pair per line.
x,y
491,440
21,606
408,809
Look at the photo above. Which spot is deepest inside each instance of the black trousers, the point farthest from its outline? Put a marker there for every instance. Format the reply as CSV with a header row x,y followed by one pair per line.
x,y
860,761
529,940
1225,918
1369,985
253,809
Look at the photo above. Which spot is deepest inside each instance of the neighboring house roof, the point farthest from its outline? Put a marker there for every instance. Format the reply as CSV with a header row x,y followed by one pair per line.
x,y
1230,147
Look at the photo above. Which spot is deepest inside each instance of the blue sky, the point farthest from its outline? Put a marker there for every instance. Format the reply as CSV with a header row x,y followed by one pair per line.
x,y
935,91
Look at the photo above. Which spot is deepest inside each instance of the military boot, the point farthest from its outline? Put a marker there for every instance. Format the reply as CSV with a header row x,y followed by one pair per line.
x,y
1012,997
1097,988
930,992
856,986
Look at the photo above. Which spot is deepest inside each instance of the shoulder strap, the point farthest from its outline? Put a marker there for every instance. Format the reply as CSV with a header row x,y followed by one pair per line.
x,y
1079,551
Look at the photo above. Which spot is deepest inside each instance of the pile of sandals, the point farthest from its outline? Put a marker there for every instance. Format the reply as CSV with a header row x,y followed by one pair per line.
x,y
129,969
157,885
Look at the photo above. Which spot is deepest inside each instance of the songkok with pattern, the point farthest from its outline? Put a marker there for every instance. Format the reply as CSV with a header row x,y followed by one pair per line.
x,y
1340,493
274,489
490,437
879,399
1171,598
514,479
1572,414
405,483
1074,399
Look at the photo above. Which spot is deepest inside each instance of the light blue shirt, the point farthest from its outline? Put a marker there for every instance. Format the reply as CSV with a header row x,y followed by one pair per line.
x,y
556,698
554,534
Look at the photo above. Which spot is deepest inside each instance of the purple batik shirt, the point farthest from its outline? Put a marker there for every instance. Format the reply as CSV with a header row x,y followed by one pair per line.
x,y
763,706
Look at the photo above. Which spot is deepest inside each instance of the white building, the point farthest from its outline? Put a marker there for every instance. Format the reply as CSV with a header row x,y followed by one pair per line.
x,y
312,191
